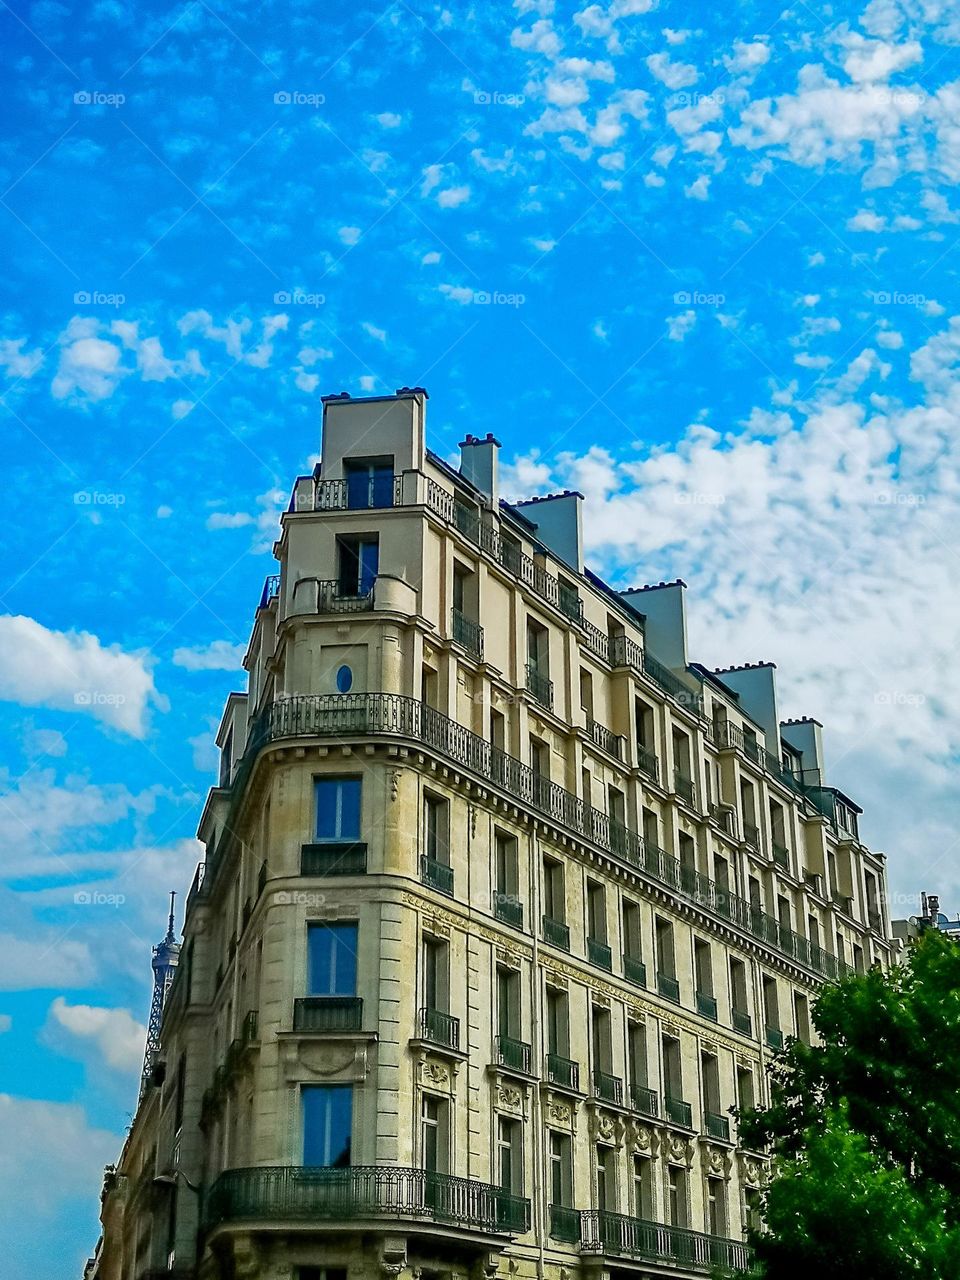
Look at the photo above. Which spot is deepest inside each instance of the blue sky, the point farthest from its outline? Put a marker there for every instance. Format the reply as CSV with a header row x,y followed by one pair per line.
x,y
706,273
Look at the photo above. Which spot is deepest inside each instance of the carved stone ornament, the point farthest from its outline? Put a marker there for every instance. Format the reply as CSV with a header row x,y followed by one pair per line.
x,y
395,775
679,1150
436,1074
643,1140
719,1164
607,1128
509,1098
753,1172
559,1113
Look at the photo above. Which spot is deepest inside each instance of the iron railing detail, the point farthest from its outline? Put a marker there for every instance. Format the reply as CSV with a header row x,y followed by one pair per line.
x,y
468,633
328,1013
614,1233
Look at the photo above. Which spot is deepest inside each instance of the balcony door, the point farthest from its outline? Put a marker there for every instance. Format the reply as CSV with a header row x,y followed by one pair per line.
x,y
359,565
327,1123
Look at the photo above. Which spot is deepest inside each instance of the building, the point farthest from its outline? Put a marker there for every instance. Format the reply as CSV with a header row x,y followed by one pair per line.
x,y
930,917
506,904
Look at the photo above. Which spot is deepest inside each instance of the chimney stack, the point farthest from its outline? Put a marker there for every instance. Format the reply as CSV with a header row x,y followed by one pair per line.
x,y
479,463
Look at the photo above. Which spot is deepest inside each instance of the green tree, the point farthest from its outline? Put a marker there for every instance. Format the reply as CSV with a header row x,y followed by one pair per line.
x,y
864,1129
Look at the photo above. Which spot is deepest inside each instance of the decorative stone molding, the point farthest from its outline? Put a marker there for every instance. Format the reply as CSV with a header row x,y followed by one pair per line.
x,y
393,1256
332,1057
559,1113
436,1075
678,1150
509,1098
718,1163
607,1128
395,775
754,1171
644,1139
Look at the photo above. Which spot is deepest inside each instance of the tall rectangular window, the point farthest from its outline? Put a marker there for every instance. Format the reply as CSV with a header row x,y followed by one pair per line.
x,y
327,1123
716,1207
554,903
436,829
596,911
506,870
369,484
677,1210
606,1178
435,1134
359,565
338,808
561,1169
510,1154
508,1002
644,1197
558,1034
332,959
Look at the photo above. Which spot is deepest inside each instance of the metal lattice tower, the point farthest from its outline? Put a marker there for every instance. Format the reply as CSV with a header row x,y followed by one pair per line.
x,y
166,957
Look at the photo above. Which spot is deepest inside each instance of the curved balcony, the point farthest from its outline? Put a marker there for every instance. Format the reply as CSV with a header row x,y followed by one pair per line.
x,y
396,716
291,1193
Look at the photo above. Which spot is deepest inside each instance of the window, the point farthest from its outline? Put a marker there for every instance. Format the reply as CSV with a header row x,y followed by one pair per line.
x,y
558,1041
338,808
672,1079
637,1055
344,679
710,1077
554,904
561,1169
677,1196
745,1093
226,760
606,1178
586,692
332,959
510,1154
596,912
181,1086
703,968
435,1134
506,871
801,1017
436,829
602,1039
666,966
644,1194
643,719
359,565
716,1207
738,992
508,1002
435,973
369,484
771,1009
327,1123
631,930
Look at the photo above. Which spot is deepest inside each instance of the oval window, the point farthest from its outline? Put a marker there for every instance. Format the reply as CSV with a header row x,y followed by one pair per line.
x,y
344,680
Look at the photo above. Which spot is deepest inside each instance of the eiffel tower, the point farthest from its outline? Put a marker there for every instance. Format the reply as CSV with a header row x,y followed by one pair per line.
x,y
166,957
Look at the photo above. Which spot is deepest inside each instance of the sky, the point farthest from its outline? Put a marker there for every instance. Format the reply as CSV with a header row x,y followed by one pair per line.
x,y
699,262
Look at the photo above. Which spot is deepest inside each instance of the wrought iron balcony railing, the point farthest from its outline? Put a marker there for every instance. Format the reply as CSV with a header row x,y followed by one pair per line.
x,y
440,1028
634,970
648,763
508,909
540,686
684,787
599,953
271,589
514,1054
742,1021
608,1088
678,1111
717,1126
707,1005
292,1193
774,1037
563,1071
328,1013
669,987
348,858
605,738
564,1224
751,835
438,875
394,716
604,1232
340,597
556,932
468,633
780,854
360,491
645,1101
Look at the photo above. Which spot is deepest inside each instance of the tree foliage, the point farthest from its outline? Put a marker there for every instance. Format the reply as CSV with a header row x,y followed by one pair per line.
x,y
864,1129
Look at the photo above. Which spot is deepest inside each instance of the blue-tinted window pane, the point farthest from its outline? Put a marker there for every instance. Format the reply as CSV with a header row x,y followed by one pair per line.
x,y
369,565
332,959
338,808
344,679
327,1122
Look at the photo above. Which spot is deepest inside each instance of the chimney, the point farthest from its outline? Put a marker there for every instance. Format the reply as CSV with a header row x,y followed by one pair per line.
x,y
559,521
664,605
479,463
756,683
806,736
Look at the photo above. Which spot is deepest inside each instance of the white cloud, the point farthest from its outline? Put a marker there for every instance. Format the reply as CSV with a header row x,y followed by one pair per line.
x,y
389,120
44,742
117,1036
866,220
17,363
453,197
164,512
350,235
49,961
680,325
430,259
368,382
180,408
457,293
699,189
6,1022
90,366
73,671
876,60
371,330
66,1156
228,519
747,56
675,75
218,655
310,355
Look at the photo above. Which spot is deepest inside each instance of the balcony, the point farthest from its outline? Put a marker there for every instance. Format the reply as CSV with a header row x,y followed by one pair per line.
x,y
360,491
556,933
508,910
341,597
348,858
513,1054
751,835
742,1022
682,694
296,1194
684,787
634,970
603,1232
539,686
678,1112
440,1028
605,739
780,854
724,817
648,763
562,1071
668,987
271,590
625,652
468,633
645,1101
608,1088
599,953
436,874
717,1126
707,1005
328,1013
774,1037
564,1224
391,716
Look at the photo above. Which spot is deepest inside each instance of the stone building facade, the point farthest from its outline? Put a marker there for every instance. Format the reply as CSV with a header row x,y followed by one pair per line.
x,y
506,904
